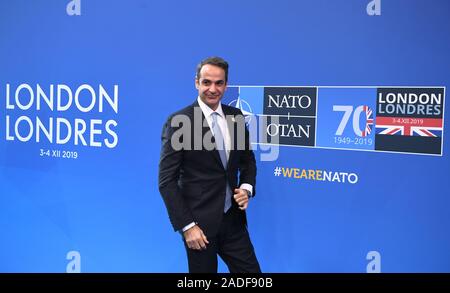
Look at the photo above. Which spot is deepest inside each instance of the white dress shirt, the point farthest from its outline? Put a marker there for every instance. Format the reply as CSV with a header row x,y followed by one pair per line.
x,y
221,121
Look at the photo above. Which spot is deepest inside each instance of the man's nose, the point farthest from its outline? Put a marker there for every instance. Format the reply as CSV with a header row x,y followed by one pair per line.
x,y
212,88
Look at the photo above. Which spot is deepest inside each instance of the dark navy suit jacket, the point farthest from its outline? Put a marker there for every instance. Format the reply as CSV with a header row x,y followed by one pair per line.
x,y
192,181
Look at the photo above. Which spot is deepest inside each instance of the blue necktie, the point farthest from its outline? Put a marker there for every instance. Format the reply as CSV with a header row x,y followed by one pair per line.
x,y
220,144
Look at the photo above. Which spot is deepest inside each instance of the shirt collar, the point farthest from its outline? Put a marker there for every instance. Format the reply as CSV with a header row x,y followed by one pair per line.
x,y
207,111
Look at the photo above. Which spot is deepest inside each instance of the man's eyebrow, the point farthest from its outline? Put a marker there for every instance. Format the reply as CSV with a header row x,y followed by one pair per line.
x,y
217,81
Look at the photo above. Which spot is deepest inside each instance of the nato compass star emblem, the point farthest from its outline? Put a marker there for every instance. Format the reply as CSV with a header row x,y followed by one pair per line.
x,y
244,107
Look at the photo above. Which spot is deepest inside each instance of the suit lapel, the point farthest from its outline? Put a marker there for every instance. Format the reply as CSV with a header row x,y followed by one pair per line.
x,y
205,130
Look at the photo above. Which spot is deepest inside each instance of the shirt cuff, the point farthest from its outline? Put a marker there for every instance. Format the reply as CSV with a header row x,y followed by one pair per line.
x,y
247,187
188,227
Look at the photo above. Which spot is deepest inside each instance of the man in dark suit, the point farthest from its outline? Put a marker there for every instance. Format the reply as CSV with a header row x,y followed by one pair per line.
x,y
207,174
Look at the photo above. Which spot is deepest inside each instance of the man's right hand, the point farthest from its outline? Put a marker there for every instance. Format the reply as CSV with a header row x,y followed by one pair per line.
x,y
195,239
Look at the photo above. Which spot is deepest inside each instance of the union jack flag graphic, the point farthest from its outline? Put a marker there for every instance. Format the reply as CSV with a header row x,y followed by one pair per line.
x,y
429,127
369,121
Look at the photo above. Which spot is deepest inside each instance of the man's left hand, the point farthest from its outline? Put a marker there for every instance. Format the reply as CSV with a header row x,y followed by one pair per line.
x,y
241,197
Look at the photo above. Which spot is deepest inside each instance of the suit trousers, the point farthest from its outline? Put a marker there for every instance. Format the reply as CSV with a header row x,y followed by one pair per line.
x,y
232,244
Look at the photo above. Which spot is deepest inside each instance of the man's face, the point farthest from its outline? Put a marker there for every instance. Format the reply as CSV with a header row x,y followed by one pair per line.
x,y
211,85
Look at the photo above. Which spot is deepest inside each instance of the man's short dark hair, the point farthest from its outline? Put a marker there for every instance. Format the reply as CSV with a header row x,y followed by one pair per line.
x,y
216,61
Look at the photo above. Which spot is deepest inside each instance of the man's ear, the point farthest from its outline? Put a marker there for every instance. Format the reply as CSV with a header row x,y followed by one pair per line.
x,y
196,83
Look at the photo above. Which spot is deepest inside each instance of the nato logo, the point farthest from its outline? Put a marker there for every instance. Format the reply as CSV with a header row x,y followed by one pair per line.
x,y
245,108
